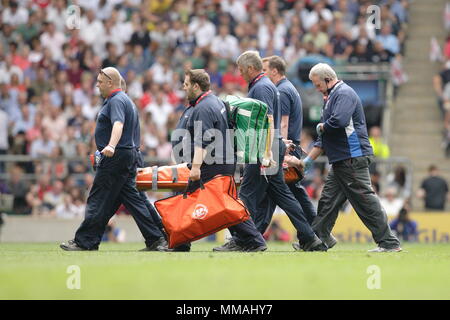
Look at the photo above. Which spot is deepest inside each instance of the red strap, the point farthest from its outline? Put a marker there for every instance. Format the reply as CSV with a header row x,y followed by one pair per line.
x,y
202,96
116,90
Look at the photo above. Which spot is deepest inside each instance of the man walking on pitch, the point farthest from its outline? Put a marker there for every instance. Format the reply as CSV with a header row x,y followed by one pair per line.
x,y
255,185
206,126
291,127
343,136
115,133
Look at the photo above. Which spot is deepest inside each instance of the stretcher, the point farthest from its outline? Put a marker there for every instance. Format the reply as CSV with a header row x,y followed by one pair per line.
x,y
176,177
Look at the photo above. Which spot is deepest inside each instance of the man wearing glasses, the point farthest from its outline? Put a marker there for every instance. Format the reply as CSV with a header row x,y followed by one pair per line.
x,y
115,132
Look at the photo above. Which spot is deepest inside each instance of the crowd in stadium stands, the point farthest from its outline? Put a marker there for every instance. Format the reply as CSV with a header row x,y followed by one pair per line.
x,y
49,61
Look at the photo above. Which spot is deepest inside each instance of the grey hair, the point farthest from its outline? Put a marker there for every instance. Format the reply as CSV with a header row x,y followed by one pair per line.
x,y
250,58
323,71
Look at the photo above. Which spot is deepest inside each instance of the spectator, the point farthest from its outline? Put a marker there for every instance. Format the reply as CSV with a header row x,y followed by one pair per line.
x,y
391,203
140,37
68,209
43,146
405,228
401,180
53,40
15,15
186,42
111,59
434,189
380,149
340,42
74,72
389,41
53,198
203,30
317,37
19,188
160,110
225,45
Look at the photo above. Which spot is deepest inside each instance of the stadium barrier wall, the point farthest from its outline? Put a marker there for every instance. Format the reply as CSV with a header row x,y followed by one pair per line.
x,y
432,227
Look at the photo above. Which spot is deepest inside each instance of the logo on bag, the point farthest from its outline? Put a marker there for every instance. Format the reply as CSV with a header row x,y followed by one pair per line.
x,y
200,211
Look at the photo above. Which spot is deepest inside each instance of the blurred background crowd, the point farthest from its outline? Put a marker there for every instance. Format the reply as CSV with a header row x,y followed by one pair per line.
x,y
49,63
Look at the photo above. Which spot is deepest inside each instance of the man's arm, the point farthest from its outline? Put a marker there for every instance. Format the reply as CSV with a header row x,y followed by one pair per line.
x,y
304,165
284,126
268,156
199,156
116,134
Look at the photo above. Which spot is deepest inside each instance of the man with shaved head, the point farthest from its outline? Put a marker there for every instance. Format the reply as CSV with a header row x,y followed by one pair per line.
x,y
116,136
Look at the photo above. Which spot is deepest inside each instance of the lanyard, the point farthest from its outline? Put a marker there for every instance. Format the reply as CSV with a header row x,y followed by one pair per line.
x,y
201,97
256,80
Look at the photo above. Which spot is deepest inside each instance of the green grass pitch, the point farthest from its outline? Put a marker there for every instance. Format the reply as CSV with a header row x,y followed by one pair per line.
x,y
119,271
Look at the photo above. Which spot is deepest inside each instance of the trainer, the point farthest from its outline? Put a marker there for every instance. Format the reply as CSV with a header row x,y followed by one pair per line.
x,y
343,136
291,125
256,185
114,182
207,123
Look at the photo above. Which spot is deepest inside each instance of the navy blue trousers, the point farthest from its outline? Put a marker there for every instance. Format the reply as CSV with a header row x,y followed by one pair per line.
x,y
114,183
255,186
299,192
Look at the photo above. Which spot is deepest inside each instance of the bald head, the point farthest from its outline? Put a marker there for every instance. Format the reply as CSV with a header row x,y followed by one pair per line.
x,y
108,80
112,74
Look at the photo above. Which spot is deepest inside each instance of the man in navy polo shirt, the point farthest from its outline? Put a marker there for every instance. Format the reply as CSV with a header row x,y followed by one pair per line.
x,y
343,136
115,134
291,128
209,150
256,184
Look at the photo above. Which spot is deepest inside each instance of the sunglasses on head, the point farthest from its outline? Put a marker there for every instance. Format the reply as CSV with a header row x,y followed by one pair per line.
x,y
104,73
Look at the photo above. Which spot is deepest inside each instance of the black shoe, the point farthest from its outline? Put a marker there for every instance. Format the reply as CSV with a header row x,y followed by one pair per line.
x,y
229,247
331,241
158,245
185,247
72,246
255,248
314,245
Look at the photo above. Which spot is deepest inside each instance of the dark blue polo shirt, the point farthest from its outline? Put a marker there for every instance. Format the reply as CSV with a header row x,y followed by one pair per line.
x,y
117,107
264,90
179,134
208,123
291,105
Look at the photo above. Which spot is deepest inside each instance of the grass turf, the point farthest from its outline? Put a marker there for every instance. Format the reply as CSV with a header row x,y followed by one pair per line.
x,y
119,271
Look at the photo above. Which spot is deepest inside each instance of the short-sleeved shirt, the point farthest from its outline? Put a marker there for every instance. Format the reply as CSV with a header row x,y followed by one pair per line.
x,y
208,123
262,89
291,105
118,107
179,137
436,189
